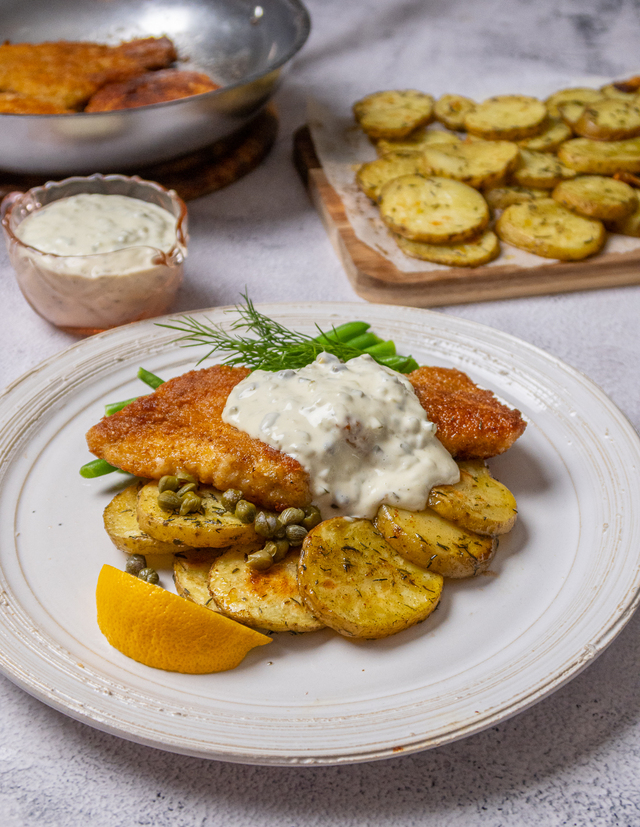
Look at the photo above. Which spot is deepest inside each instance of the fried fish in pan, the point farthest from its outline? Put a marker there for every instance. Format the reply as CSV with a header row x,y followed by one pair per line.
x,y
66,74
14,103
152,87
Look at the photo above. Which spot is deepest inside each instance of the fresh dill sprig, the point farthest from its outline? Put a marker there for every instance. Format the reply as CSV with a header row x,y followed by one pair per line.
x,y
256,341
270,347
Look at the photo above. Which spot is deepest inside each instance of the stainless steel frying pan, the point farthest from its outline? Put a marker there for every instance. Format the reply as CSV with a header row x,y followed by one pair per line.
x,y
241,44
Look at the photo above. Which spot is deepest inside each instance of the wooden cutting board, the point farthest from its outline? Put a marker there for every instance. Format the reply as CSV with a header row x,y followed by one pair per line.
x,y
376,279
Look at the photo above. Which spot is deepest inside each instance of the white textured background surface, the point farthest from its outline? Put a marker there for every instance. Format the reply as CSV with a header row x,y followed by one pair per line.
x,y
572,760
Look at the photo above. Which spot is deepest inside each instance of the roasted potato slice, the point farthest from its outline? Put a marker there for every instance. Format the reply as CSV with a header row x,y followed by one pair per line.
x,y
372,176
631,84
610,119
191,575
601,157
548,229
121,524
417,140
478,502
499,198
540,170
581,95
262,599
612,90
393,114
213,527
597,196
353,580
571,113
506,117
428,540
433,209
552,134
451,110
629,225
466,254
478,164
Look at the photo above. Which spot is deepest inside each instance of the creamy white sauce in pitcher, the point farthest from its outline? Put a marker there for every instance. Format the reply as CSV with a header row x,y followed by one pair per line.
x,y
92,223
357,428
93,261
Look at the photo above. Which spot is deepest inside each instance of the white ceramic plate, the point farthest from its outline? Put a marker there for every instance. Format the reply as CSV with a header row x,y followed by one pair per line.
x,y
563,584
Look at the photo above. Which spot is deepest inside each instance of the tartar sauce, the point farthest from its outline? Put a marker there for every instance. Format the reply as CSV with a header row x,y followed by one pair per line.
x,y
357,428
92,223
92,261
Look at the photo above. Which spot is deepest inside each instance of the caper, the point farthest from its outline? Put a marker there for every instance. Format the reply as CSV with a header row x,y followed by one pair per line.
x,y
149,576
185,476
296,534
271,548
168,483
135,564
190,502
280,533
282,547
290,516
246,511
265,524
231,498
312,517
260,560
188,486
169,501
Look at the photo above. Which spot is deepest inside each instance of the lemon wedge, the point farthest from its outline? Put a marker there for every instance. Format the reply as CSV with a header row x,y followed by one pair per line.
x,y
160,629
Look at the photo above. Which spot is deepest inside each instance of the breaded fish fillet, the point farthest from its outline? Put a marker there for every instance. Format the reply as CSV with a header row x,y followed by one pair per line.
x,y
149,52
152,87
66,74
472,423
180,427
13,103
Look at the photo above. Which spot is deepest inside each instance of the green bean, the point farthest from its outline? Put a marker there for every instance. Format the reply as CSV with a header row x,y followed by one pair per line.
x,y
150,378
411,365
381,349
401,364
364,341
343,332
114,407
96,468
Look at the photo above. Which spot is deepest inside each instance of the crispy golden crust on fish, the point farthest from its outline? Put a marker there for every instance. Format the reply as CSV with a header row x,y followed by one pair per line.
x,y
150,52
152,87
66,74
472,423
14,103
180,427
